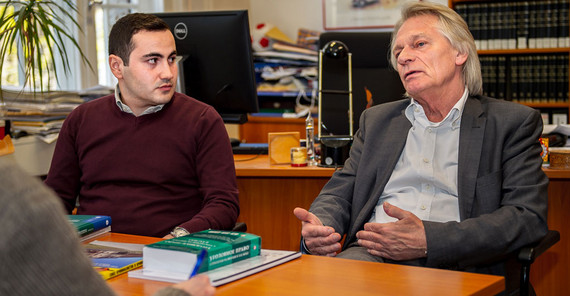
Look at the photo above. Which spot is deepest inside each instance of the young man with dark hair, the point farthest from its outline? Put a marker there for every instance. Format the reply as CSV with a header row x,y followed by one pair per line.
x,y
158,162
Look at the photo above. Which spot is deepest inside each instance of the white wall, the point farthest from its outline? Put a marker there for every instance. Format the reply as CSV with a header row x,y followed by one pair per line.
x,y
288,15
291,15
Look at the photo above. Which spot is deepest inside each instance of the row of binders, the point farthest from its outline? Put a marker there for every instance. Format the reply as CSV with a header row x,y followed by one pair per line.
x,y
518,25
526,78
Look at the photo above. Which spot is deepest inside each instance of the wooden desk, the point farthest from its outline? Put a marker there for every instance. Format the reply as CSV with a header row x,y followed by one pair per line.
x,y
312,275
268,195
549,274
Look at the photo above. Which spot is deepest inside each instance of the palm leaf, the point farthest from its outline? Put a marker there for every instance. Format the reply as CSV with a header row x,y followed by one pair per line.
x,y
40,28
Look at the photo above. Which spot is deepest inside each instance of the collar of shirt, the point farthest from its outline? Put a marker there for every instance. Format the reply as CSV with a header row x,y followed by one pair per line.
x,y
416,114
123,107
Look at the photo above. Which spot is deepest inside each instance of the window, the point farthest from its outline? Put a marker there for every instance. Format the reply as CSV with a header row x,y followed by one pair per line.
x,y
105,13
14,75
96,17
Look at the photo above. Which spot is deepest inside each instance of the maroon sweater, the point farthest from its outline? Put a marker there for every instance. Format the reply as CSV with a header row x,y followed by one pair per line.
x,y
149,173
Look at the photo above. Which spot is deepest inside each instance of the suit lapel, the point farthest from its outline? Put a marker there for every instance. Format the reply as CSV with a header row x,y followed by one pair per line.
x,y
470,144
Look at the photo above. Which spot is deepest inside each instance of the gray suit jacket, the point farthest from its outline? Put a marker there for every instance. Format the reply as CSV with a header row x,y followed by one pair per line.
x,y
502,188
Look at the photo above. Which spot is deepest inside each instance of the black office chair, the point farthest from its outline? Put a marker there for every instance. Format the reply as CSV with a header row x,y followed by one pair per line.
x,y
371,70
528,254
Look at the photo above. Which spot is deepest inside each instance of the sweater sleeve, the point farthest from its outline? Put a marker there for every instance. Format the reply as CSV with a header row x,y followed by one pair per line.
x,y
216,172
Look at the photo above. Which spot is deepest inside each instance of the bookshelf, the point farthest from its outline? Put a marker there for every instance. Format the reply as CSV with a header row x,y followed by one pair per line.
x,y
524,50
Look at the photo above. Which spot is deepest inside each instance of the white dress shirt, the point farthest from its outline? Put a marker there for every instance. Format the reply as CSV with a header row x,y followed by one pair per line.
x,y
127,109
424,180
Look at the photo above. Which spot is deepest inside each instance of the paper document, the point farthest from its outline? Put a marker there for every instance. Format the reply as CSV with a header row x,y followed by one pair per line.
x,y
228,273
125,246
554,128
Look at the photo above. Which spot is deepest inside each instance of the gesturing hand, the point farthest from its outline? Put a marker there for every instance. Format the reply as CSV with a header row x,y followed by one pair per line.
x,y
319,239
404,239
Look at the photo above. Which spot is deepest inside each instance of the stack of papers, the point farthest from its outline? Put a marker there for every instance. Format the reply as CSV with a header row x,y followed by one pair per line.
x,y
557,128
40,113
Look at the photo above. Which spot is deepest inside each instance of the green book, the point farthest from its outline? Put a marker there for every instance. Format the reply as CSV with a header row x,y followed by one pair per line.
x,y
90,226
179,255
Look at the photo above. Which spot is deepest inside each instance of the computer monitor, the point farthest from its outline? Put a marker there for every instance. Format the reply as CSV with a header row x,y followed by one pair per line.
x,y
216,65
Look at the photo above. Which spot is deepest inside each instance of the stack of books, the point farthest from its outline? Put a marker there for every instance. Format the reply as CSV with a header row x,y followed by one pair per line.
x,y
90,226
526,78
224,256
517,24
109,259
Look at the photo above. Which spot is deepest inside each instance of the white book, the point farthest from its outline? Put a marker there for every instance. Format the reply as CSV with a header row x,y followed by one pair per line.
x,y
224,274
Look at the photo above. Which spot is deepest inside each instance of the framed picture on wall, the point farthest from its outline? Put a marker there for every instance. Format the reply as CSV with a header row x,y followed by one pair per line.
x,y
361,14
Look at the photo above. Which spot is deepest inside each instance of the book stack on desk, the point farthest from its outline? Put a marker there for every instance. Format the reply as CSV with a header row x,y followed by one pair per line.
x,y
229,255
90,226
111,259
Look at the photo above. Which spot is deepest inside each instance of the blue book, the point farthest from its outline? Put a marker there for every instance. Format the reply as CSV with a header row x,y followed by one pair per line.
x,y
90,226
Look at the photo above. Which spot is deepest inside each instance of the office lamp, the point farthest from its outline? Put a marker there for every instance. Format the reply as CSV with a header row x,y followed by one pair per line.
x,y
335,104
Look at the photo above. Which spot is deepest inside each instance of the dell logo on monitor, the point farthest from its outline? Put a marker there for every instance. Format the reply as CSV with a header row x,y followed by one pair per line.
x,y
180,31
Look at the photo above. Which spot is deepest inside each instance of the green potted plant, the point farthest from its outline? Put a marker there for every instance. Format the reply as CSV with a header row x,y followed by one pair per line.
x,y
40,29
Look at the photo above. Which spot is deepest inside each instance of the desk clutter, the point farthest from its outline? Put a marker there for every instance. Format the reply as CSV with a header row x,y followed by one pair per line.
x,y
224,256
111,259
41,114
284,68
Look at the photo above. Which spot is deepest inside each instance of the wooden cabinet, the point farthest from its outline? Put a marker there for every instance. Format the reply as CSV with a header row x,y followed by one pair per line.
x,y
256,128
544,55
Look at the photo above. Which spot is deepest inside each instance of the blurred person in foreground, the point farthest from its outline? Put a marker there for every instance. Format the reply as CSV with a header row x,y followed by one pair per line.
x,y
40,250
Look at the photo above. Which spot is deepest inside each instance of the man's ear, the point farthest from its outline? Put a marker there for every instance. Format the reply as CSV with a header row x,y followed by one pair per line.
x,y
461,58
116,64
